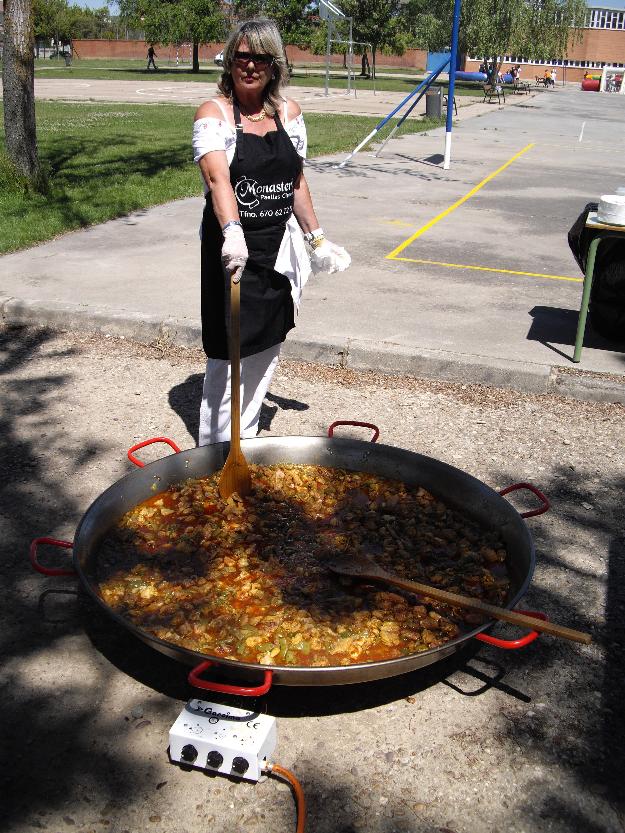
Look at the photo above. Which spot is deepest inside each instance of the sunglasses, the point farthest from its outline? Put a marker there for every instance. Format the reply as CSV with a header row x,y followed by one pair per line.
x,y
242,59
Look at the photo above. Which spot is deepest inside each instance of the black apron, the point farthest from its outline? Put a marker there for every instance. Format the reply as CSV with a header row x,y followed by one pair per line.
x,y
262,174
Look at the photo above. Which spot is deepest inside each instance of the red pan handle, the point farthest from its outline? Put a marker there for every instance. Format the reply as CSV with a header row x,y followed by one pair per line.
x,y
131,451
49,571
541,509
374,428
249,691
512,644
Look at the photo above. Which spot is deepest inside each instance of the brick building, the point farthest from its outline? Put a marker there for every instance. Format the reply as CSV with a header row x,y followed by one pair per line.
x,y
602,44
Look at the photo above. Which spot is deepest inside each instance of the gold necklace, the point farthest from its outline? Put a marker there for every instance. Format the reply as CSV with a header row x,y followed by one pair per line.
x,y
259,117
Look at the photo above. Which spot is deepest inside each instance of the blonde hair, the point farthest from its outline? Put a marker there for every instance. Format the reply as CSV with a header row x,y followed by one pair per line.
x,y
263,38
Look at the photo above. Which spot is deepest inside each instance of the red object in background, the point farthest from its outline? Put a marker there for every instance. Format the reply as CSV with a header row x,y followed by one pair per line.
x,y
590,85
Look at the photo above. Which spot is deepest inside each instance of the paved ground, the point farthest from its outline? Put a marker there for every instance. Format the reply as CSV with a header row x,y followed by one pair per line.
x,y
487,291
149,91
494,741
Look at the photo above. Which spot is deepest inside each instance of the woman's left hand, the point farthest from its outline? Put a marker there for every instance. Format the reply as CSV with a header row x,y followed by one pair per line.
x,y
328,257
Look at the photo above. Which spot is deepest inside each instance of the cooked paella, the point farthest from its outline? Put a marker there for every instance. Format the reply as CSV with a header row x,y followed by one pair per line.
x,y
245,579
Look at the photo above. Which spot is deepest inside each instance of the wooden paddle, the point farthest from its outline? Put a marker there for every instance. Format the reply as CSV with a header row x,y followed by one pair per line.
x,y
362,567
235,475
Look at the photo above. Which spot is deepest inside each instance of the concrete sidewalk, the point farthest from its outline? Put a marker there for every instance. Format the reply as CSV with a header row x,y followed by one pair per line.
x,y
488,292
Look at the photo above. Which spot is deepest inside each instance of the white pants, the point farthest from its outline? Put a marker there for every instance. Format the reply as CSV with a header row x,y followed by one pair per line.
x,y
256,373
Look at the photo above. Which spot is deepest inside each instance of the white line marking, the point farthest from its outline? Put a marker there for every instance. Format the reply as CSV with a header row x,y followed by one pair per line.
x,y
581,132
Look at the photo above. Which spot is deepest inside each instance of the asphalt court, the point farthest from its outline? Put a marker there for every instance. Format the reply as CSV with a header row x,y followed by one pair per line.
x,y
510,226
485,270
504,225
398,252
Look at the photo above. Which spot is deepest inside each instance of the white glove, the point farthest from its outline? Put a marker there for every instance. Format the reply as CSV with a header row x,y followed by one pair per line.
x,y
326,256
234,249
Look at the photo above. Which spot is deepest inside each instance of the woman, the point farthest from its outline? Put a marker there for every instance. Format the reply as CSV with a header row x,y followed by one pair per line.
x,y
250,143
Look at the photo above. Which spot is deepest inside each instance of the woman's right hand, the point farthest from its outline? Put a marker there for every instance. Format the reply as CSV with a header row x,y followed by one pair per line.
x,y
234,250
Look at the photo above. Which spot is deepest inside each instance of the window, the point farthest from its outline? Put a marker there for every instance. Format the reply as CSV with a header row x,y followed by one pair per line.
x,y
605,19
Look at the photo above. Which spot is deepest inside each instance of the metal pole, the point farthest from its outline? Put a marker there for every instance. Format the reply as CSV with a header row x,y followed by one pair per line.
x,y
350,62
423,88
372,73
452,83
328,56
381,124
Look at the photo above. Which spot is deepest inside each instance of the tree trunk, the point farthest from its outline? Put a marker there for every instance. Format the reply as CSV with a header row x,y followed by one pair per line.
x,y
373,52
196,56
18,80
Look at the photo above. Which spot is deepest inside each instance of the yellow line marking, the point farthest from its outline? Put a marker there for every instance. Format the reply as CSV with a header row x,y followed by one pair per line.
x,y
490,269
402,223
457,204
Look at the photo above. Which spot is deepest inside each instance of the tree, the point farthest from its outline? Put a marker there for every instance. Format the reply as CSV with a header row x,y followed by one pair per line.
x,y
176,21
293,18
57,20
536,29
18,79
378,22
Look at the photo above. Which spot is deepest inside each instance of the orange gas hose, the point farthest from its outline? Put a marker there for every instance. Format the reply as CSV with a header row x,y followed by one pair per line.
x,y
300,801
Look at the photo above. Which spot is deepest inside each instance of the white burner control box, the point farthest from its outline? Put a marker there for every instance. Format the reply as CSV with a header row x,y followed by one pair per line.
x,y
222,739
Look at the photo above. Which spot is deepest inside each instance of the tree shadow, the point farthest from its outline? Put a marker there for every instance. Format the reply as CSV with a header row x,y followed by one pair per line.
x,y
123,163
40,740
594,751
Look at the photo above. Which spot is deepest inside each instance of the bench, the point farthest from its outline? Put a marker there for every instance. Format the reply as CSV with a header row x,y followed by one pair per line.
x,y
522,87
494,91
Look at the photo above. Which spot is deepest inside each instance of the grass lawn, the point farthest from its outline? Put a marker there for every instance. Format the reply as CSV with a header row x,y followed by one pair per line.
x,y
106,160
311,76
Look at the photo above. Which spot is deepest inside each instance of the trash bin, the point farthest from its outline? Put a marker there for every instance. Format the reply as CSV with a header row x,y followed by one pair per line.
x,y
434,103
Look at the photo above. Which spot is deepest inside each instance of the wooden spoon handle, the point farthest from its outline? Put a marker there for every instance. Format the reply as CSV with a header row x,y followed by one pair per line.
x,y
489,610
235,365
235,475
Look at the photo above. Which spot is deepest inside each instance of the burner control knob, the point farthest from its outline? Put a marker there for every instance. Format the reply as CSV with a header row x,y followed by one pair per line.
x,y
188,753
240,766
214,759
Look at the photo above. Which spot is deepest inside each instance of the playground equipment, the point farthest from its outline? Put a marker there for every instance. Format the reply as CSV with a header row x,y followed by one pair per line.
x,y
330,12
471,76
610,81
420,91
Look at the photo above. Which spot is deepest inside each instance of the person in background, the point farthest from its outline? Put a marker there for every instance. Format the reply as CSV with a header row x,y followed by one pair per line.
x,y
548,78
554,76
365,68
259,225
151,55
